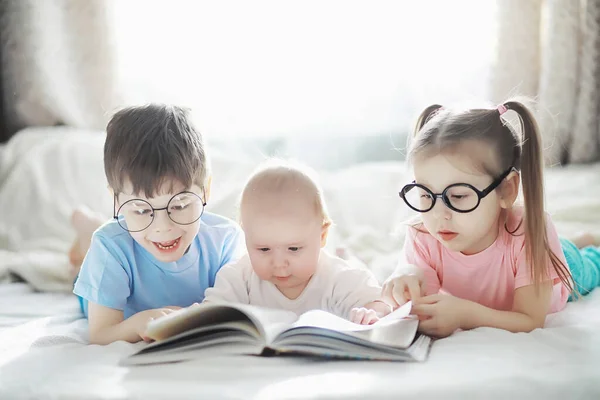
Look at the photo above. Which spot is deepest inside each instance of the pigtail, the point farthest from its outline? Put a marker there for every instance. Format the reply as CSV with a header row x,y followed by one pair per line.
x,y
538,250
426,116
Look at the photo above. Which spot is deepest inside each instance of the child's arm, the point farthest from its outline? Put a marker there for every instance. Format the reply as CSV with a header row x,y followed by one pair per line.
x,y
414,275
530,303
442,314
107,325
530,307
231,284
356,295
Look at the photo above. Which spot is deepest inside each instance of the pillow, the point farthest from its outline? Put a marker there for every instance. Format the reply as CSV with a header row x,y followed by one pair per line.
x,y
45,173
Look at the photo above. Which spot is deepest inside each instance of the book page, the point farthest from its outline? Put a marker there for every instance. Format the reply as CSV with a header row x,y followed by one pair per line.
x,y
265,322
322,331
270,321
323,319
197,316
400,313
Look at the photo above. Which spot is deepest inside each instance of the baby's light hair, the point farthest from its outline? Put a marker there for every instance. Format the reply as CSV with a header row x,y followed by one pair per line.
x,y
439,130
282,176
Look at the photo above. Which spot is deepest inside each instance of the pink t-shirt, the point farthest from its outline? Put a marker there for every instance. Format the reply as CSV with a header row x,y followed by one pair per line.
x,y
489,277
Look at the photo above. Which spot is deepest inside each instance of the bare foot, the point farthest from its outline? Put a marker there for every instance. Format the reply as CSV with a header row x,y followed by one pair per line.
x,y
85,222
584,240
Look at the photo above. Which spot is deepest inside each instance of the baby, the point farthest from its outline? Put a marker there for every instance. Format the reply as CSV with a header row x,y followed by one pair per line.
x,y
285,223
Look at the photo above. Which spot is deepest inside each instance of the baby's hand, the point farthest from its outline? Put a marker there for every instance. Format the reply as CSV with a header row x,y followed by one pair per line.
x,y
363,316
400,289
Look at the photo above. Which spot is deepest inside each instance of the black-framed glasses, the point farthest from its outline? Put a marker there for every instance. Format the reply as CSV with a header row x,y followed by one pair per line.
x,y
459,197
135,215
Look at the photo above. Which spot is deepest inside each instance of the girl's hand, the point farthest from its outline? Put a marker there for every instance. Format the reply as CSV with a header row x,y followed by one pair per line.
x,y
363,316
440,314
400,289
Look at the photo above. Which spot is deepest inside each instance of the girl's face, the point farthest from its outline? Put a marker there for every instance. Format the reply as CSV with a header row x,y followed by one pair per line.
x,y
468,233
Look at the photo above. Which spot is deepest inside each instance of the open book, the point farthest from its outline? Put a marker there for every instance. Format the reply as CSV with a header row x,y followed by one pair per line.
x,y
216,328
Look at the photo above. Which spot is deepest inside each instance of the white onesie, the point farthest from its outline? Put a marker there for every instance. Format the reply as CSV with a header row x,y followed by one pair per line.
x,y
335,287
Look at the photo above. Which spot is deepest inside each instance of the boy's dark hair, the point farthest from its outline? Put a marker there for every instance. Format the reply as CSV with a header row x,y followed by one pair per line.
x,y
151,144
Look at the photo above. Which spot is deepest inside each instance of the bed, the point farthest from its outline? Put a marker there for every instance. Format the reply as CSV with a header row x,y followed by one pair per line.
x,y
45,172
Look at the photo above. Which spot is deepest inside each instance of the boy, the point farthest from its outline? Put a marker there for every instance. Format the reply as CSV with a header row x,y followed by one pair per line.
x,y
161,250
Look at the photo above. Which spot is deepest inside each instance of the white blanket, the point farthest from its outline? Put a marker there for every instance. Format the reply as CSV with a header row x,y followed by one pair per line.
x,y
42,335
45,357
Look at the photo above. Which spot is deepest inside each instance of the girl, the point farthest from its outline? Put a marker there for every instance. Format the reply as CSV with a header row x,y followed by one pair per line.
x,y
476,259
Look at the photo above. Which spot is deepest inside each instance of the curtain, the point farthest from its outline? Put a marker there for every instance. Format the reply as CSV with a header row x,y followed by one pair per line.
x,y
549,50
3,128
58,65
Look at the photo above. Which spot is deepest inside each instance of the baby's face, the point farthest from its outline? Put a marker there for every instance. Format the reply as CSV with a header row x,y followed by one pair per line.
x,y
166,240
284,237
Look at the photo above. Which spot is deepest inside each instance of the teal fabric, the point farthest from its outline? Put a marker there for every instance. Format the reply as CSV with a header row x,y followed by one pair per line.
x,y
584,265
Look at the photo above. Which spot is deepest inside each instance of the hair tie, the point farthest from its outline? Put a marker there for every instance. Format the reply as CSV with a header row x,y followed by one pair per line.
x,y
502,109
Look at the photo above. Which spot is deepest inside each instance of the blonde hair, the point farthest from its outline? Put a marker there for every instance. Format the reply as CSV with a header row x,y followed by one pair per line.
x,y
439,129
279,176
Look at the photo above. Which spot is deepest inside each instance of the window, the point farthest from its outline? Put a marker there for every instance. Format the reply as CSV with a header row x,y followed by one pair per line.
x,y
355,73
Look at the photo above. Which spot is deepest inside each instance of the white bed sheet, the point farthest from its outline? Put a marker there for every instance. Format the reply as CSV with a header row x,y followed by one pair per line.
x,y
42,335
45,357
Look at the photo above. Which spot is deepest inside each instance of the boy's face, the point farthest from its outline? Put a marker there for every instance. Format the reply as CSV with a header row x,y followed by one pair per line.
x,y
284,236
165,239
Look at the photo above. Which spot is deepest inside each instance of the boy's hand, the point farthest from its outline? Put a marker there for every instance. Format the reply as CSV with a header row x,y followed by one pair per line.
x,y
143,318
400,289
363,316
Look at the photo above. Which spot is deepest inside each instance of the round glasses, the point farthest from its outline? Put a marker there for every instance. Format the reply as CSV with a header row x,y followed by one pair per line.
x,y
135,215
459,197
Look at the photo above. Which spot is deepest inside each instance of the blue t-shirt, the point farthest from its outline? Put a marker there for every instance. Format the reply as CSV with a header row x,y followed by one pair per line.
x,y
119,273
